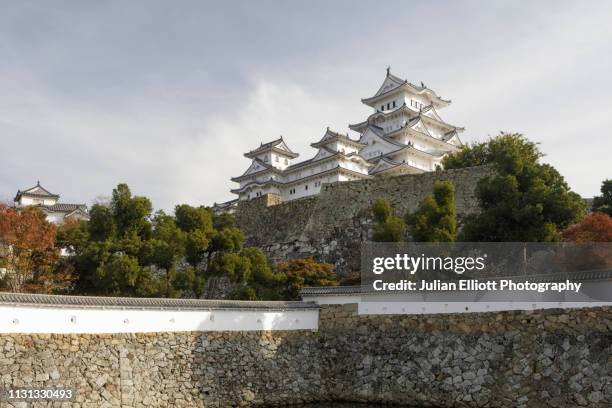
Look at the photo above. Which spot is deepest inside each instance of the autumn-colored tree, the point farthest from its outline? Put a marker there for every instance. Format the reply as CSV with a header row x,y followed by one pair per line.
x,y
305,272
28,253
595,227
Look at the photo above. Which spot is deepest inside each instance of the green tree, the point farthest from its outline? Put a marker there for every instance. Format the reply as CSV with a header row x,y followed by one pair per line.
x,y
232,265
244,293
190,218
435,220
603,203
167,248
120,275
130,213
188,282
524,201
225,241
101,223
196,247
381,210
72,234
223,221
125,251
261,271
197,223
388,228
114,253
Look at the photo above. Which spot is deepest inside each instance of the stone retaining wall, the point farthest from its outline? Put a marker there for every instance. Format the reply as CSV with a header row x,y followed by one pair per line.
x,y
331,225
167,369
545,358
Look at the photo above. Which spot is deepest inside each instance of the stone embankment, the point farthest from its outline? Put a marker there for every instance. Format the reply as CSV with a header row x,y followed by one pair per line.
x,y
332,225
544,358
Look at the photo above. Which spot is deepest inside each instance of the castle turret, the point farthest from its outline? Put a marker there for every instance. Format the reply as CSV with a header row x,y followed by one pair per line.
x,y
47,202
275,153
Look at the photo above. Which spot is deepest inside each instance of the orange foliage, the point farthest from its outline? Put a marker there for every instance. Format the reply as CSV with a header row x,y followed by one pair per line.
x,y
595,227
28,252
306,272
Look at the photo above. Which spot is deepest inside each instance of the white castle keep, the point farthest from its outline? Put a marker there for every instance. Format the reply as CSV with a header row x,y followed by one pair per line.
x,y
404,135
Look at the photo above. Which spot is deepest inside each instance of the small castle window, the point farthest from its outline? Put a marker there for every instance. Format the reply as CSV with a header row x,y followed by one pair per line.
x,y
394,104
382,107
388,106
306,187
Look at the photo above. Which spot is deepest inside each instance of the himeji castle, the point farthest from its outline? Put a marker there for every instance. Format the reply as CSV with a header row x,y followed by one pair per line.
x,y
404,135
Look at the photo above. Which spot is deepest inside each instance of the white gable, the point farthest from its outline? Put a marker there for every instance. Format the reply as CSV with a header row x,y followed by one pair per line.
x,y
36,189
254,168
380,166
388,84
432,113
282,146
321,154
375,145
419,126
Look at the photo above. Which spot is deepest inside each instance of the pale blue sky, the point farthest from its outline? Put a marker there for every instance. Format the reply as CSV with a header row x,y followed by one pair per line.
x,y
167,95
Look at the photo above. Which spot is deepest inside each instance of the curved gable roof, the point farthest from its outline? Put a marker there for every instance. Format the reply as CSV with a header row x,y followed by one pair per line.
x,y
278,145
257,166
331,136
393,83
36,191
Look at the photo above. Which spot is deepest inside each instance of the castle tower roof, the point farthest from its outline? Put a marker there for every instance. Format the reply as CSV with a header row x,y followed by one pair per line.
x,y
277,146
393,84
330,136
36,191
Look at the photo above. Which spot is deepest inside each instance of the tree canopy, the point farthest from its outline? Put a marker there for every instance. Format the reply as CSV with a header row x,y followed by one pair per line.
x,y
298,273
603,203
388,228
595,227
28,253
524,201
125,250
435,220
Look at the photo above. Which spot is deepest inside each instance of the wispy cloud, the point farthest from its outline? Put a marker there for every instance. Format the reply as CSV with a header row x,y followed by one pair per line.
x,y
168,99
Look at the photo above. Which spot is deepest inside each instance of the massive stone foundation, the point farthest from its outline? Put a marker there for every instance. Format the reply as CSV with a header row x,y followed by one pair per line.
x,y
543,358
332,225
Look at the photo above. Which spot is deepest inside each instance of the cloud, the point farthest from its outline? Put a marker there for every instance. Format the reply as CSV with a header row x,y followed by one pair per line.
x,y
272,108
169,100
167,152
